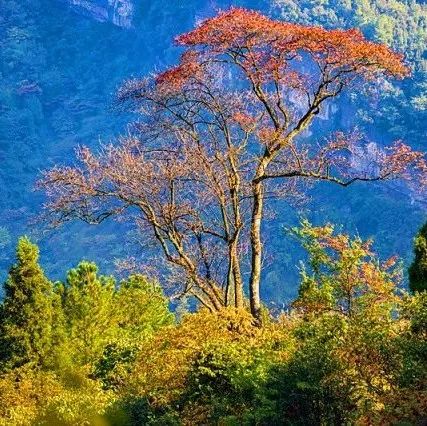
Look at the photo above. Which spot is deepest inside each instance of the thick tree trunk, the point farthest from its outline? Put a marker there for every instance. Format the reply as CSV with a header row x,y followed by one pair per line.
x,y
237,276
234,182
234,288
256,246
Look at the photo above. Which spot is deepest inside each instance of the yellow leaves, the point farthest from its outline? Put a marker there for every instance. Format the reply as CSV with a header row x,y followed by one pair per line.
x,y
214,367
30,397
347,276
162,369
81,406
20,394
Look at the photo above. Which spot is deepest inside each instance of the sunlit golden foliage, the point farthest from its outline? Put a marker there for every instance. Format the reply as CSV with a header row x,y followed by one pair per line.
x,y
29,397
22,394
350,351
162,371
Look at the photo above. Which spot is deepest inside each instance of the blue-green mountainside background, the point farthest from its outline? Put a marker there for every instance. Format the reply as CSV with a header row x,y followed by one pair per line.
x,y
61,62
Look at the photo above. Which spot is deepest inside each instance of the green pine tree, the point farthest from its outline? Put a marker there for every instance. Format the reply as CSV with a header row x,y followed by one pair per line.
x,y
141,309
30,314
418,268
89,311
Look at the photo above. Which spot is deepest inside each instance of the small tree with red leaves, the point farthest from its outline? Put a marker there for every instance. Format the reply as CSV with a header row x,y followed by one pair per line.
x,y
221,133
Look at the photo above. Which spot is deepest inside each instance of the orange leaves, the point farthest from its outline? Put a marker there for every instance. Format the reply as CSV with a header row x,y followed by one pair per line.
x,y
217,129
175,78
401,160
263,45
244,120
268,136
232,27
337,243
345,272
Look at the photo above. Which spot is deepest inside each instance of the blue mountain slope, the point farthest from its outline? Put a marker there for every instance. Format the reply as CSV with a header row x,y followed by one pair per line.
x,y
60,64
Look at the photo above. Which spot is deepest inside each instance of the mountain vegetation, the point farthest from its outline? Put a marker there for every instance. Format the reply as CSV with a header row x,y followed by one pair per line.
x,y
208,152
221,154
418,268
400,24
91,350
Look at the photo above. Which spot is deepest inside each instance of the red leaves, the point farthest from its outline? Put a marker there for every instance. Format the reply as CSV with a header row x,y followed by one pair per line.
x,y
264,45
175,78
283,65
234,26
244,120
401,161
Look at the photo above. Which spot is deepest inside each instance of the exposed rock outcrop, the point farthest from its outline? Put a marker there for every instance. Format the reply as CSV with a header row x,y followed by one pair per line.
x,y
119,12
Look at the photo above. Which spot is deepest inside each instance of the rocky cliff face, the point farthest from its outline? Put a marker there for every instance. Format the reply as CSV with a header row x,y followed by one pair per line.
x,y
119,12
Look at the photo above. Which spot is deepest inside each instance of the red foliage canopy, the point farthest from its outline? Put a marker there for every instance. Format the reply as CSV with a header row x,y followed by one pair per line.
x,y
271,43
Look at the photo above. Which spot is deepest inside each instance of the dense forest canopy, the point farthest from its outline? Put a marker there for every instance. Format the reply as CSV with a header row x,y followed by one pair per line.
x,y
91,350
400,24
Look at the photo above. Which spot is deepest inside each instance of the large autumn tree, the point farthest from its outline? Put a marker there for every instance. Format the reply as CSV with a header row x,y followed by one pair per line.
x,y
220,134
